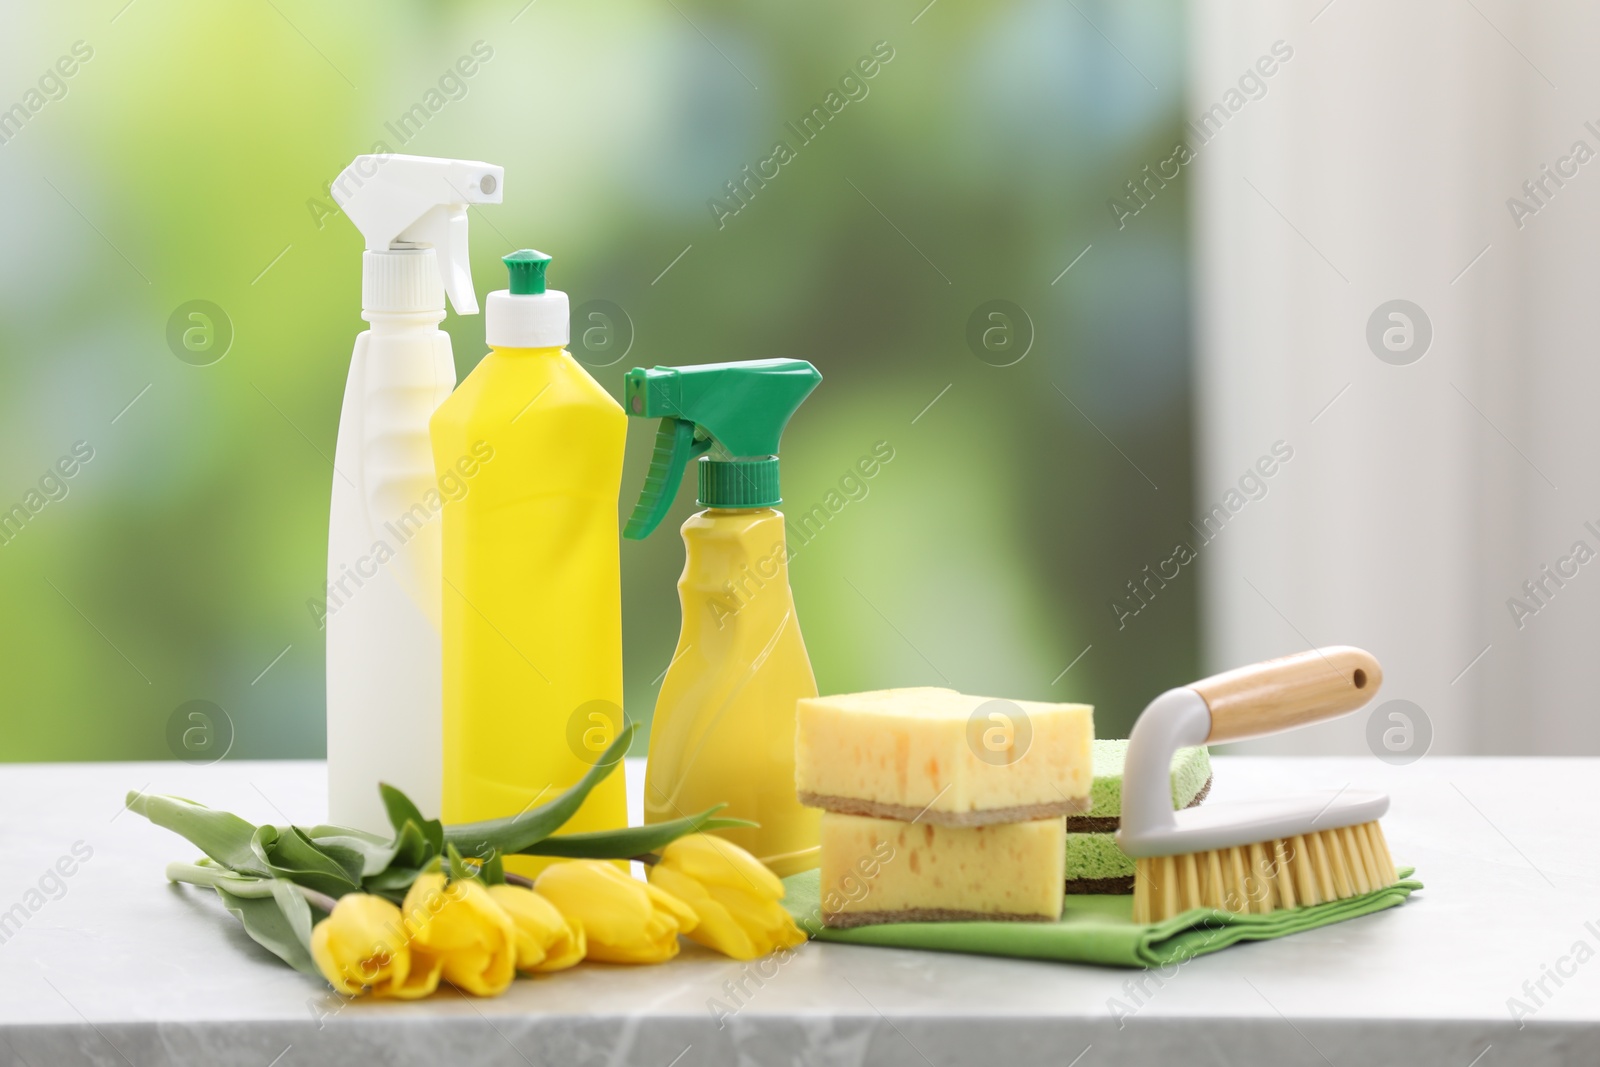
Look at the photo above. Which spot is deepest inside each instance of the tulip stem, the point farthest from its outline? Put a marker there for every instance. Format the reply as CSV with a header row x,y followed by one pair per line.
x,y
320,901
240,885
649,859
219,877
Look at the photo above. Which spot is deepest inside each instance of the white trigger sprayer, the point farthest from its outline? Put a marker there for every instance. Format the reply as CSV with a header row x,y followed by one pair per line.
x,y
382,608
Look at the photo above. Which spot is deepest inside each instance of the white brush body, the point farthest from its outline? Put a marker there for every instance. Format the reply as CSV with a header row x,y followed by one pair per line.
x,y
1150,826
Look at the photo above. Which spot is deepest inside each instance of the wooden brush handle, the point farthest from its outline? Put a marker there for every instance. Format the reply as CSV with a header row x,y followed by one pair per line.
x,y
1281,694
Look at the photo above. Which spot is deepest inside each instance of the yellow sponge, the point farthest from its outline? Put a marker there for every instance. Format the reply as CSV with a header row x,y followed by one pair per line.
x,y
880,870
937,756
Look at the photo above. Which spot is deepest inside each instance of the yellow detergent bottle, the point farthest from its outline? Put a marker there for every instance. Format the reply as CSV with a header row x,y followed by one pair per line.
x,y
724,722
532,602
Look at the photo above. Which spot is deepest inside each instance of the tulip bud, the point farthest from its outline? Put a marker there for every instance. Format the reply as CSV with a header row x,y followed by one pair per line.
x,y
546,940
624,920
460,926
734,896
364,946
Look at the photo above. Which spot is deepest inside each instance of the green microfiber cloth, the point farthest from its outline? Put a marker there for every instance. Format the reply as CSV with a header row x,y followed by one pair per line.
x,y
1094,929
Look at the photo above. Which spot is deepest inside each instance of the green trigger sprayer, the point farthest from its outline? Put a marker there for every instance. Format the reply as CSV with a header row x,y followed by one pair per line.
x,y
724,722
741,409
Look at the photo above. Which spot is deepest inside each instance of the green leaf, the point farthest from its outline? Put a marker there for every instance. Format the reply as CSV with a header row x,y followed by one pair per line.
x,y
411,848
280,923
293,855
296,910
493,871
296,843
322,830
459,869
391,883
376,852
225,838
633,840
351,861
401,811
519,832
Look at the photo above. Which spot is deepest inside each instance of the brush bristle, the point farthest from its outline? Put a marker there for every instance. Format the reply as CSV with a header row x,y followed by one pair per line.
x,y
1293,872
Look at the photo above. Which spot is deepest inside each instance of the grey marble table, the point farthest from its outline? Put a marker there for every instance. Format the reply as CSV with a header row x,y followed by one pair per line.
x,y
112,965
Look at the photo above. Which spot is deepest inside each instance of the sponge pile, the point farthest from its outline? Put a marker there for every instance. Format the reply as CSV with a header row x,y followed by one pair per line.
x,y
1094,863
939,806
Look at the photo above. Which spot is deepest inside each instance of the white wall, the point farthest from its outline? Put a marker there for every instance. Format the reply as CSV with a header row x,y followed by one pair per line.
x,y
1420,501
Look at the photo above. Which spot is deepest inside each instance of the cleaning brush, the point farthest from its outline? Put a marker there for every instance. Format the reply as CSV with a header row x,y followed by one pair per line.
x,y
1251,856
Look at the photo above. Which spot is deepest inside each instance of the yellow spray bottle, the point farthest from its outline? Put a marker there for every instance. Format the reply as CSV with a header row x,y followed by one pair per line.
x,y
724,723
532,606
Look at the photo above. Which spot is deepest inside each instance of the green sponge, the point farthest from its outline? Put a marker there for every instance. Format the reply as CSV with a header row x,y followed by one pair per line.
x,y
1094,862
1096,865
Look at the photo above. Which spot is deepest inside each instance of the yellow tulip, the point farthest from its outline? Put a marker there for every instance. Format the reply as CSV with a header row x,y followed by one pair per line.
x,y
624,920
734,895
364,945
546,940
458,927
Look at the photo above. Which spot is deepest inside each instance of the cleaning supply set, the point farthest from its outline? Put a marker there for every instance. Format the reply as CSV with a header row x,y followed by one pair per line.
x,y
1207,877
475,647
475,658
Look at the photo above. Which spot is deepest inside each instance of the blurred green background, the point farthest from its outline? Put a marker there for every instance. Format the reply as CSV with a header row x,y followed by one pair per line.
x,y
187,159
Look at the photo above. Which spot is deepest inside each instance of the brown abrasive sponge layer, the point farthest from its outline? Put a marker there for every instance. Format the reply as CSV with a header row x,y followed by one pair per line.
x,y
905,813
1119,886
926,915
1096,824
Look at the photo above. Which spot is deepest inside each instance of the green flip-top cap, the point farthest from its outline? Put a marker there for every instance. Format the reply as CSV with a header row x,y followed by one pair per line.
x,y
741,409
526,268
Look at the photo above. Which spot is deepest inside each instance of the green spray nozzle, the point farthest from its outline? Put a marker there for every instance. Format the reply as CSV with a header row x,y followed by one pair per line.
x,y
740,409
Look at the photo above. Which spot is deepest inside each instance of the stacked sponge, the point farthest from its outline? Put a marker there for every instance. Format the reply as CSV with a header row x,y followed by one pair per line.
x,y
1094,863
941,806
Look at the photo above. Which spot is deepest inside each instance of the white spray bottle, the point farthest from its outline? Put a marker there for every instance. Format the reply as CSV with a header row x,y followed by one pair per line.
x,y
382,615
